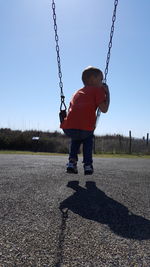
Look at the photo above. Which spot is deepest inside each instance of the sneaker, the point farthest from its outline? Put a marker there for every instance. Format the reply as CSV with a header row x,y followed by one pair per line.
x,y
88,169
72,167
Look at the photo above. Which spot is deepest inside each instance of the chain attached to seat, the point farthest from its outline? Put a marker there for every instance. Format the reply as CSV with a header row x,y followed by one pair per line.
x,y
63,108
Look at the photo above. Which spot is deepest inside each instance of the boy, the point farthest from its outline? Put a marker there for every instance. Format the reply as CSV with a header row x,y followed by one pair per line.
x,y
81,118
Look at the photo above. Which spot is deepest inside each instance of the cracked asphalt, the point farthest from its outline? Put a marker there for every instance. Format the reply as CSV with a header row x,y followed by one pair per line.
x,y
50,218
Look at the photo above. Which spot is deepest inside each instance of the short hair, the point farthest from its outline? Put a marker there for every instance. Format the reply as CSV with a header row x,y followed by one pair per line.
x,y
90,71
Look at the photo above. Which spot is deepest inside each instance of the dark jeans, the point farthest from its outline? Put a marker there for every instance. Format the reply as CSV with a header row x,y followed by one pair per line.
x,y
85,138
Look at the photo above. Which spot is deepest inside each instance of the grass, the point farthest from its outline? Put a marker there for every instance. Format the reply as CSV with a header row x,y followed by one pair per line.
x,y
60,154
30,153
122,156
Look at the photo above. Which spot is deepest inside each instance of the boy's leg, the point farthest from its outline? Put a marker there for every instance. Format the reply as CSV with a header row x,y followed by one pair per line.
x,y
73,156
87,154
74,150
87,150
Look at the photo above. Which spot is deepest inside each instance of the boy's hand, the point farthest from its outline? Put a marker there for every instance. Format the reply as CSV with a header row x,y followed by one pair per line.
x,y
106,88
105,105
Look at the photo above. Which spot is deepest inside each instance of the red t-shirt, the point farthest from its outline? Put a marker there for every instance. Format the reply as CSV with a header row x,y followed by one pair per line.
x,y
82,109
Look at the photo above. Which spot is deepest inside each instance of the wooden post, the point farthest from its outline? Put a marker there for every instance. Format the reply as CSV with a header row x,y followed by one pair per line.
x,y
147,139
94,149
120,143
130,143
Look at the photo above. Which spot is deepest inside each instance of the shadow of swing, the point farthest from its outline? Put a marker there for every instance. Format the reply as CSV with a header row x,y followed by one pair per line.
x,y
93,204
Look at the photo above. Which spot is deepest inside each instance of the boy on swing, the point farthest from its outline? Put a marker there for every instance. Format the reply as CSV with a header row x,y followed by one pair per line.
x,y
80,122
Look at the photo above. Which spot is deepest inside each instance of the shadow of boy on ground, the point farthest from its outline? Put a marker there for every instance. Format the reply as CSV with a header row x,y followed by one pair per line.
x,y
93,204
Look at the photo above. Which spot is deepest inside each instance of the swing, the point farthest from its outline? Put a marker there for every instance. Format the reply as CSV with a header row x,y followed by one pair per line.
x,y
63,108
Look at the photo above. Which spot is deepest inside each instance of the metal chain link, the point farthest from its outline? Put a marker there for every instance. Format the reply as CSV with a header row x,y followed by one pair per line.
x,y
110,41
109,52
58,57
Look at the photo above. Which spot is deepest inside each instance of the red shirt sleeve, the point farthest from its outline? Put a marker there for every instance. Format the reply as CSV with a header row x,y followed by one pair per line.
x,y
100,95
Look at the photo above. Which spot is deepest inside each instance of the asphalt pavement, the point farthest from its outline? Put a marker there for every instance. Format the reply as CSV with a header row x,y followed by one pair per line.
x,y
50,218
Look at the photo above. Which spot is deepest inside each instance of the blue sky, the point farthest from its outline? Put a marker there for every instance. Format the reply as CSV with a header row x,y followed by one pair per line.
x,y
29,91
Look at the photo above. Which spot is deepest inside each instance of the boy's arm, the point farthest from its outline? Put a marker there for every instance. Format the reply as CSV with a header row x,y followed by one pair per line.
x,y
105,105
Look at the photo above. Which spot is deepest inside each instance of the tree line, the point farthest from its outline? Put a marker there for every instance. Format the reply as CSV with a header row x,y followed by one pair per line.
x,y
56,142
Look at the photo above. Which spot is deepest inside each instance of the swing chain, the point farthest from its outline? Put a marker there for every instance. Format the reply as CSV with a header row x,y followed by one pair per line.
x,y
58,58
108,54
110,42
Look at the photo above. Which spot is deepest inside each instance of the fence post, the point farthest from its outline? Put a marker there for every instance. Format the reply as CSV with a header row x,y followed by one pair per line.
x,y
130,143
120,143
94,149
147,139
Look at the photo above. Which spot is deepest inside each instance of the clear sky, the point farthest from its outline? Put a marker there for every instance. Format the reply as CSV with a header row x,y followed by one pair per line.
x,y
29,91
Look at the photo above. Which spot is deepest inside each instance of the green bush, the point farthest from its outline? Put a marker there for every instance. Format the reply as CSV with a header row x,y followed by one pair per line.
x,y
58,143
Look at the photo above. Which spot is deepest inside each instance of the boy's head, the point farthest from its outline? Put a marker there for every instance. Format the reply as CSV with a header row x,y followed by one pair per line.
x,y
92,76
